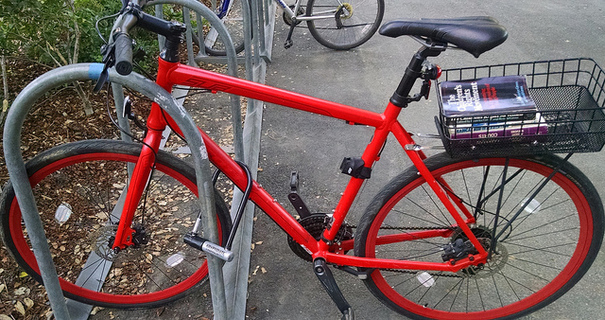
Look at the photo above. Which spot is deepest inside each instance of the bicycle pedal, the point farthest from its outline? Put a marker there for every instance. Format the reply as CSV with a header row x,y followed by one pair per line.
x,y
288,44
348,314
295,199
213,249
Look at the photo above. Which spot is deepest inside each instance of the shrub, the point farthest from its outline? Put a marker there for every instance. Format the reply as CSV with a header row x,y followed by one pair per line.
x,y
55,32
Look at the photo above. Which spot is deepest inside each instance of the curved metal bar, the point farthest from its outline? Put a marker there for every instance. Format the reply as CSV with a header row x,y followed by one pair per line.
x,y
16,168
214,20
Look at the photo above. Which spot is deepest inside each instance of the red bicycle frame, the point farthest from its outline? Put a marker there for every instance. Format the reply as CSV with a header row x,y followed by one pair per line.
x,y
170,74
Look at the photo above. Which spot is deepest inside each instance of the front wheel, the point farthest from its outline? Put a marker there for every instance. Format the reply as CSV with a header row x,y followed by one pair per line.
x,y
536,257
77,185
342,25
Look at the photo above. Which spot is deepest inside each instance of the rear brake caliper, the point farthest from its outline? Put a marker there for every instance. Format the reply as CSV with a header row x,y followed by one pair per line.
x,y
458,250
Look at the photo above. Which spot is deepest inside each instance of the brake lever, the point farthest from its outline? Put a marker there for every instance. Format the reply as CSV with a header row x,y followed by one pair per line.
x,y
107,50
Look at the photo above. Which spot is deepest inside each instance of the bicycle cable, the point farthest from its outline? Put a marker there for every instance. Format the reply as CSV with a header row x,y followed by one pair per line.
x,y
122,129
171,128
155,155
101,19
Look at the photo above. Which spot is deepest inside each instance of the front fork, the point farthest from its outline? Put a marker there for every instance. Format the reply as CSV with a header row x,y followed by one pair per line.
x,y
156,123
136,187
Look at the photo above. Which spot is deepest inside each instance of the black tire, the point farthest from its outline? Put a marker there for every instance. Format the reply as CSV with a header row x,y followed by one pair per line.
x,y
544,252
76,186
234,22
357,22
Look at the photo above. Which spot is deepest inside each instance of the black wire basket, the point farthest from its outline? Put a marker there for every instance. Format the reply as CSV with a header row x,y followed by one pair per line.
x,y
569,95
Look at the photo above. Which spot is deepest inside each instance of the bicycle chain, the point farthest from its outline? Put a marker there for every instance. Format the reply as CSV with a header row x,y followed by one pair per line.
x,y
408,228
415,271
452,275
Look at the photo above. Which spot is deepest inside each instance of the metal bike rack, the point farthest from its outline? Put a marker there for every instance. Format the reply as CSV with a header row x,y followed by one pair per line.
x,y
261,20
255,70
257,35
19,178
16,166
262,15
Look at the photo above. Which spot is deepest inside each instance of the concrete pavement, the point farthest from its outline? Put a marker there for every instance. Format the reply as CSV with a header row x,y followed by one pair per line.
x,y
365,77
282,286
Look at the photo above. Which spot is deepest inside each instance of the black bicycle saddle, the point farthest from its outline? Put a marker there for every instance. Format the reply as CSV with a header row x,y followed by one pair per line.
x,y
475,35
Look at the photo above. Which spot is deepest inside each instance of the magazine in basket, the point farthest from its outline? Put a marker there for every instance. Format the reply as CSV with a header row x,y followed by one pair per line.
x,y
494,99
489,107
512,128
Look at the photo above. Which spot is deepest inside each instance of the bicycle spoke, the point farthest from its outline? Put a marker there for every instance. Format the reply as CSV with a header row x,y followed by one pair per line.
x,y
534,215
543,265
550,233
543,249
435,204
528,273
480,297
92,179
496,288
516,236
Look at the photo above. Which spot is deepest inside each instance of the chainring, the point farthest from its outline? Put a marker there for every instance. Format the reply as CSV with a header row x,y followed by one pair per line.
x,y
315,224
288,19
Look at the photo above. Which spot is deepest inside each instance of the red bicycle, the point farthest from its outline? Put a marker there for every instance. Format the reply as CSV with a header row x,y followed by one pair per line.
x,y
479,232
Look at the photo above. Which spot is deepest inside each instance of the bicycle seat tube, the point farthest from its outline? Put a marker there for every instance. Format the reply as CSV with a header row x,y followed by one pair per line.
x,y
401,98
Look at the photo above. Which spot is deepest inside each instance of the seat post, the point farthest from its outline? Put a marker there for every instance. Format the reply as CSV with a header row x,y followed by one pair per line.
x,y
413,72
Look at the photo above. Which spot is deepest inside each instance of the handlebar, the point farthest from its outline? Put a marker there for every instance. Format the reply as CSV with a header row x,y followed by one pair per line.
x,y
132,16
123,53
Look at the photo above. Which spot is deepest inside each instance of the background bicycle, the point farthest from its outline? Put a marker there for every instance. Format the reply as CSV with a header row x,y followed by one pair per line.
x,y
339,25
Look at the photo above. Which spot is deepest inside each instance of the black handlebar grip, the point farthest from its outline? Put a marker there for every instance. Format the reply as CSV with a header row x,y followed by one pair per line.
x,y
123,54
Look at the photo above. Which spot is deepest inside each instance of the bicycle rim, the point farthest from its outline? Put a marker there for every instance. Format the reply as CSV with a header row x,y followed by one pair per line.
x,y
76,187
540,256
348,24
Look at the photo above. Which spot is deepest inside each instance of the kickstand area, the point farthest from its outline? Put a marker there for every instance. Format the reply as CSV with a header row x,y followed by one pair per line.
x,y
326,278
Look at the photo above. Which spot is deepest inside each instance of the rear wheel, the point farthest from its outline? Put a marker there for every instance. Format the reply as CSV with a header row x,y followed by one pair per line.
x,y
346,24
536,257
77,186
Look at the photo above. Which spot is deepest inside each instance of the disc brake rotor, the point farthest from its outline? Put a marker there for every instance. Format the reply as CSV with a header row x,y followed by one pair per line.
x,y
101,239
